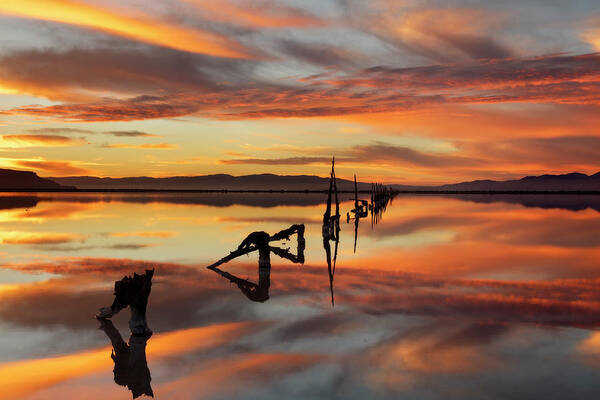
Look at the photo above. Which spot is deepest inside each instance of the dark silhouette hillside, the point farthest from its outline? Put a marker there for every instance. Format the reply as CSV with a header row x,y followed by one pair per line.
x,y
264,182
209,182
26,180
565,182
544,183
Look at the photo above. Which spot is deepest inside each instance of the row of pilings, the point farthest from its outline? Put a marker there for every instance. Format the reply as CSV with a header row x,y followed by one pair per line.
x,y
380,193
381,196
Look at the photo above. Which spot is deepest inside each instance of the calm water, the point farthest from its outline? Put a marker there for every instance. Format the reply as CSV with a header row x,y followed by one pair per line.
x,y
472,297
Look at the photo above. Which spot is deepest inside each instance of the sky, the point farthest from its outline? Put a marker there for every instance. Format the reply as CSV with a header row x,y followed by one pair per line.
x,y
415,92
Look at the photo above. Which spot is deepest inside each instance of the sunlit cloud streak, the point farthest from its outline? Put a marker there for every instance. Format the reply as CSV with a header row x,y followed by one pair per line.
x,y
144,146
436,33
377,153
80,74
256,14
36,238
552,152
146,234
53,167
551,79
39,141
120,23
319,54
591,31
61,132
471,74
130,134
504,74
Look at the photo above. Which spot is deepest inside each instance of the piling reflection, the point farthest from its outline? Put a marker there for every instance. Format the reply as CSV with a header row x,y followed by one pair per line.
x,y
414,314
360,210
260,241
381,197
130,364
331,229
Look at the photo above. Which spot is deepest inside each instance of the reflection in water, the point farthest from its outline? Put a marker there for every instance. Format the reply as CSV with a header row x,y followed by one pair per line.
x,y
570,202
331,229
272,200
381,197
417,321
260,241
12,202
360,210
131,366
133,292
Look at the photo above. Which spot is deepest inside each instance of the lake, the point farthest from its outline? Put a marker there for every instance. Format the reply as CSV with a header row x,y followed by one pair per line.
x,y
441,297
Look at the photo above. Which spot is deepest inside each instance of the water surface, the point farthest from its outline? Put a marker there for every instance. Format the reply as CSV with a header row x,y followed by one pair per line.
x,y
456,297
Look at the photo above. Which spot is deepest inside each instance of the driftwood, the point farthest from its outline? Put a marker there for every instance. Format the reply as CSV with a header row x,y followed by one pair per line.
x,y
131,368
260,241
249,244
133,292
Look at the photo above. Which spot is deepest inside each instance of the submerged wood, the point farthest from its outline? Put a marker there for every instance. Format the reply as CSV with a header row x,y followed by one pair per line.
x,y
260,241
249,244
130,364
133,292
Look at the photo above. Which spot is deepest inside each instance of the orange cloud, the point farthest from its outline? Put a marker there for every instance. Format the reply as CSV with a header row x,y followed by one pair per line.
x,y
557,80
444,34
75,12
148,234
256,14
145,146
41,140
53,167
39,238
591,33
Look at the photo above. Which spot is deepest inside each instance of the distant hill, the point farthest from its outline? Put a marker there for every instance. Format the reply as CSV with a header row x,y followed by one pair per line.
x,y
210,182
567,182
26,180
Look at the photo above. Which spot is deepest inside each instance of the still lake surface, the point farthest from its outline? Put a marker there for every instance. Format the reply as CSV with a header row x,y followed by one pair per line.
x,y
446,297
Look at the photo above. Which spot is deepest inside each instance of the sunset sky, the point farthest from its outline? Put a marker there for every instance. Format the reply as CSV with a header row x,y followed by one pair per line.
x,y
400,91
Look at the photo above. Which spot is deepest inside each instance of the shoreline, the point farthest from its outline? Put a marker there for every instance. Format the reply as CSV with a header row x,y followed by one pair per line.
x,y
306,191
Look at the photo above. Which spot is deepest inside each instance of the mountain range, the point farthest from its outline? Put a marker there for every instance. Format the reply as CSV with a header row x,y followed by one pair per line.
x,y
210,182
11,180
574,181
567,182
